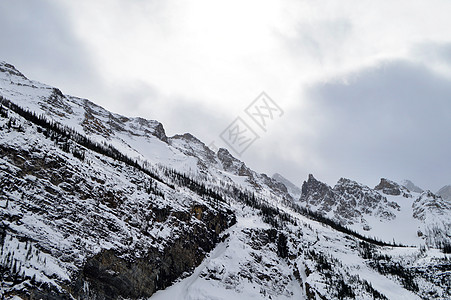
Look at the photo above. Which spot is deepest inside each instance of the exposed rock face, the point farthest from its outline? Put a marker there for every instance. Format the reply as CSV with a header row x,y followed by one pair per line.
x,y
433,211
316,193
160,133
274,184
388,187
347,202
109,274
391,188
429,201
10,69
91,124
192,146
357,199
58,102
233,165
230,163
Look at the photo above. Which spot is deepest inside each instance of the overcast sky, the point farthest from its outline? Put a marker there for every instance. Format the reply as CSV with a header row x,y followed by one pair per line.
x,y
365,86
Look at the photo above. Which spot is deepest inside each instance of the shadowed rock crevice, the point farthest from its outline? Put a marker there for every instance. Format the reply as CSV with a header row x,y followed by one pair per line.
x,y
110,274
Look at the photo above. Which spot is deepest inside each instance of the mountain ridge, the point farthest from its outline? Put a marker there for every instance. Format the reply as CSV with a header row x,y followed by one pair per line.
x,y
89,195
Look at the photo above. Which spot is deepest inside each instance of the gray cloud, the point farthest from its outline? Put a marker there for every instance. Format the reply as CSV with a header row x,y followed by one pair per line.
x,y
437,52
36,37
388,121
178,114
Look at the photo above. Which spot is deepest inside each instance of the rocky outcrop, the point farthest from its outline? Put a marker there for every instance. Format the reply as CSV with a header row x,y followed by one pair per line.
x,y
388,187
348,201
429,201
316,193
111,274
391,188
274,184
160,133
10,69
364,199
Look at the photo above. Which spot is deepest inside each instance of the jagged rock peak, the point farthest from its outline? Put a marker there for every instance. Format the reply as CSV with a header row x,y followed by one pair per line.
x,y
388,187
160,132
188,137
313,181
344,183
192,146
312,178
226,158
351,187
429,194
10,69
232,164
313,191
224,152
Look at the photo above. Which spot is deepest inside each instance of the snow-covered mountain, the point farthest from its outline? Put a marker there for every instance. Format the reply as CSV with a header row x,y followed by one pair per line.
x,y
95,205
445,192
411,186
293,189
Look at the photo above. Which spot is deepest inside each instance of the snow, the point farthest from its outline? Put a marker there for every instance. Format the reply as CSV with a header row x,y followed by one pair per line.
x,y
227,260
244,266
402,229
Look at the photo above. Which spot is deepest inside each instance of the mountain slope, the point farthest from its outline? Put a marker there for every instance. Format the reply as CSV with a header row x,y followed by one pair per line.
x,y
141,139
97,215
95,205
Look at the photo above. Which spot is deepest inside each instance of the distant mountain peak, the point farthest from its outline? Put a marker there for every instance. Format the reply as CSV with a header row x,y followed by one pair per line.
x,y
315,192
312,178
293,189
411,186
445,192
